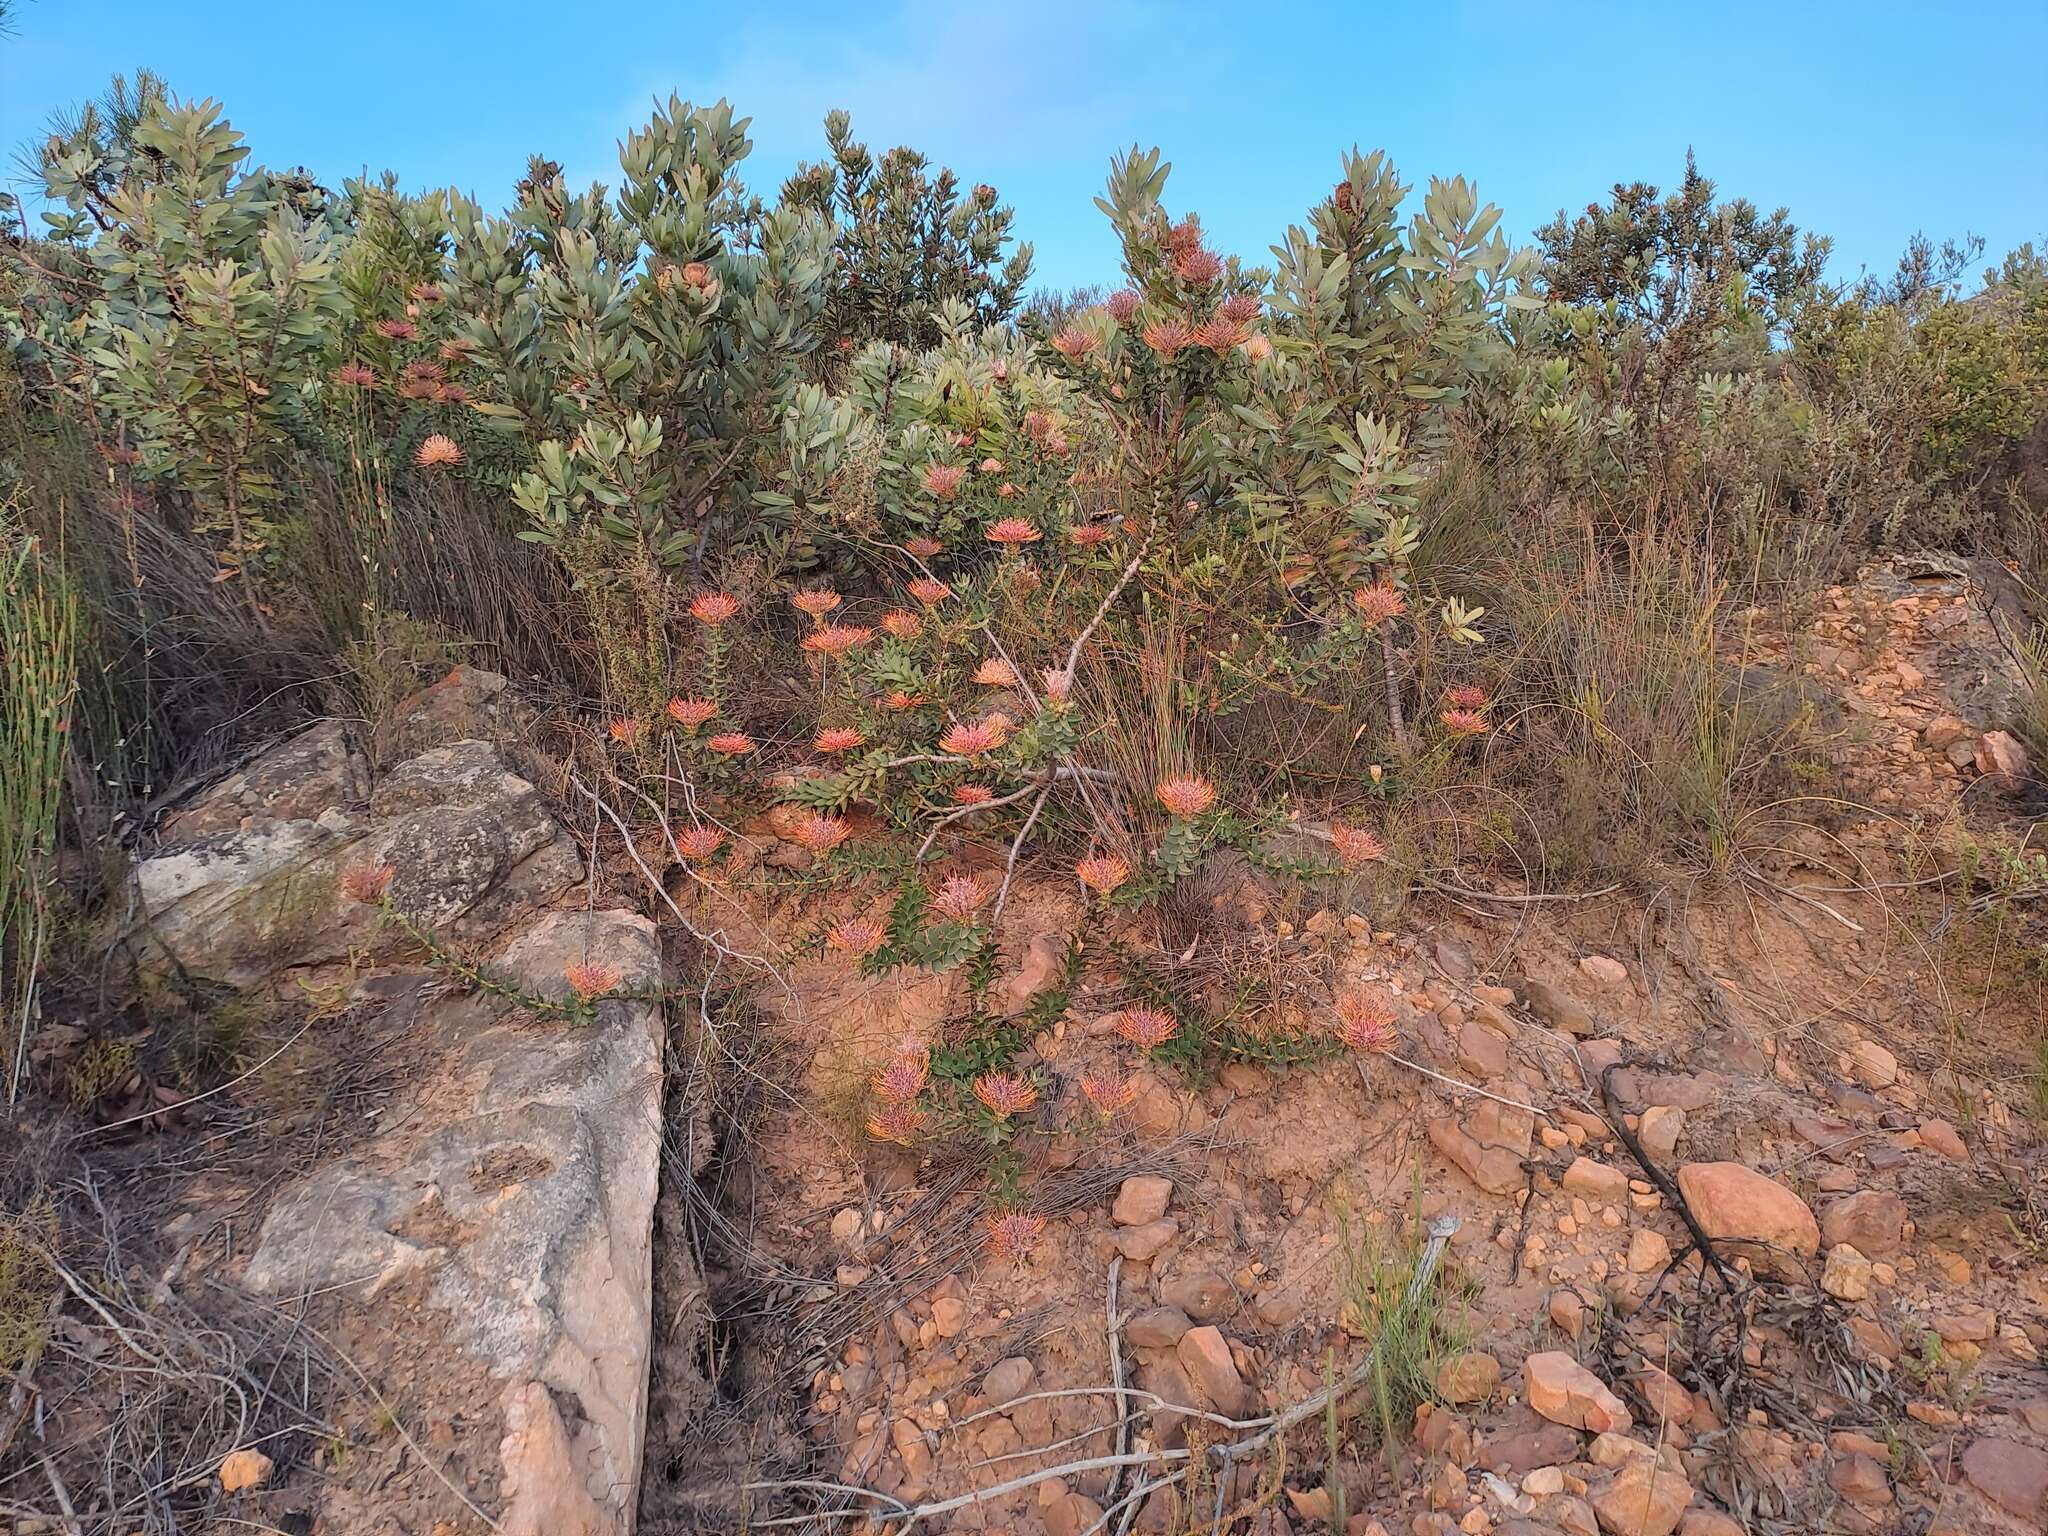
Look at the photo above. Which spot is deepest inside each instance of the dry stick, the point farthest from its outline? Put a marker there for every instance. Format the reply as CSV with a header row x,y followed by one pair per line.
x,y
1114,1330
1461,1086
1538,896
1017,847
1658,1176
1425,1271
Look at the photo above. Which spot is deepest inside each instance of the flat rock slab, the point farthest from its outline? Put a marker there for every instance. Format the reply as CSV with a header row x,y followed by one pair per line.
x,y
520,1185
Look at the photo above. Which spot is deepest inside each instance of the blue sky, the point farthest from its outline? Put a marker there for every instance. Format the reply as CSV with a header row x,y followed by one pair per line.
x,y
1869,121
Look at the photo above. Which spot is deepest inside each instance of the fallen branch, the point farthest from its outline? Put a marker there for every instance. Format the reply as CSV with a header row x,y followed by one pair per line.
x,y
1658,1177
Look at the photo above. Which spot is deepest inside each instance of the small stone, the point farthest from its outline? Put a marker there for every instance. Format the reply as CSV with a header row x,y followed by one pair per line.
x,y
1140,1243
1604,969
1567,1312
1142,1198
1471,1377
1596,1181
244,1469
1565,1392
1665,1394
1872,1221
1481,1052
1662,1125
1709,1522
1648,1251
1939,1136
1847,1274
1201,1293
1556,1007
846,1225
1157,1327
1544,1481
1872,1065
1205,1355
1860,1479
1644,1497
1999,755
1974,1325
949,1316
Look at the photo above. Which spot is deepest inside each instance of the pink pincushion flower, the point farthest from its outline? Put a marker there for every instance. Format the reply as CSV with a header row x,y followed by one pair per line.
x,y
899,1123
975,738
996,673
1378,603
1109,1090
1364,1023
922,547
1356,846
929,591
943,480
1011,1234
1122,306
1147,1028
1073,343
857,936
959,898
696,844
821,834
1005,1093
589,980
1463,722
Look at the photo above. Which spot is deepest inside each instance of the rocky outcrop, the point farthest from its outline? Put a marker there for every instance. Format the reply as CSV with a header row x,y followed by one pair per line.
x,y
245,883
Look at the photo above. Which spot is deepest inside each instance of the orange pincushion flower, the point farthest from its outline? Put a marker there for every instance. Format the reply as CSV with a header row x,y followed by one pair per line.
x,y
367,883
1378,603
1167,337
1198,266
991,466
1466,696
588,979
692,713
1122,306
1109,1090
837,738
1240,308
972,794
360,375
1258,347
695,844
898,700
732,744
996,673
857,936
1147,1028
1013,531
821,834
836,640
713,608
397,330
1186,797
903,1079
1088,535
922,547
1218,334
1073,343
1005,1093
929,591
1011,1234
943,480
626,730
902,623
1463,722
426,293
899,1123
1356,846
972,740
1364,1023
438,451
816,601
1006,490
958,897
1102,872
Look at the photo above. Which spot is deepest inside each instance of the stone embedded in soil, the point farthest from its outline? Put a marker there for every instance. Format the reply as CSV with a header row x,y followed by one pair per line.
x,y
1604,969
1161,1373
244,1469
1008,1379
1203,1294
1648,1251
1999,755
1157,1327
1555,1006
1847,1274
1709,1522
1205,1355
1045,957
1643,1497
2011,1475
1565,1392
1748,1214
1860,1479
1481,1052
1494,1169
1142,1198
1871,1065
1665,1394
1596,1181
1140,1243
1471,1377
1872,1221
1660,1127
1939,1136
949,1316
1512,1455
